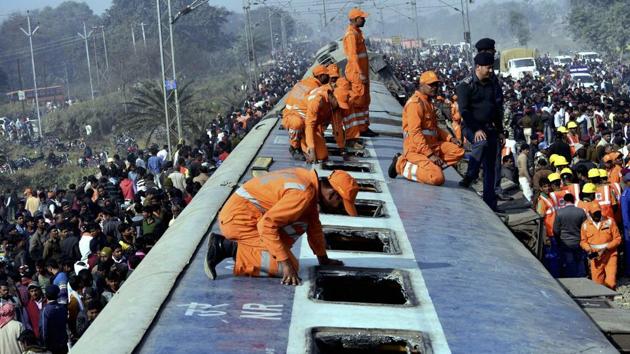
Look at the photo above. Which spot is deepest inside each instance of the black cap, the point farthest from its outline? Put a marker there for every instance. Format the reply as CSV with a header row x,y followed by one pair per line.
x,y
484,58
484,44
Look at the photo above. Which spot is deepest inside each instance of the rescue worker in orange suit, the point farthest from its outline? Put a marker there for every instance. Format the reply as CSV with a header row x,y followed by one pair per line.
x,y
567,183
427,149
557,193
319,113
456,118
341,88
268,214
358,73
613,163
545,207
600,238
573,137
294,112
604,194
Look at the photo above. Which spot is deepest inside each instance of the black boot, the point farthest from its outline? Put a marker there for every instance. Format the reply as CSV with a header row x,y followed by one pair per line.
x,y
297,154
219,248
465,182
391,171
369,133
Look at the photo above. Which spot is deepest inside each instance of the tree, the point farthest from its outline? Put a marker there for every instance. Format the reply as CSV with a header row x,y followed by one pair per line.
x,y
519,27
146,109
602,24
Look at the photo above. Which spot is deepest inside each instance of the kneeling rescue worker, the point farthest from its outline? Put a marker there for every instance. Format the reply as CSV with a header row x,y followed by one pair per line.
x,y
427,149
267,215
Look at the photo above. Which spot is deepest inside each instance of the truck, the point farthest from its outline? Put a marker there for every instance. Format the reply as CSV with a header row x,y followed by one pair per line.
x,y
588,57
562,60
517,62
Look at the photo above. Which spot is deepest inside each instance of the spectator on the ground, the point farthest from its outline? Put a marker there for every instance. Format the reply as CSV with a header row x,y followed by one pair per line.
x,y
10,330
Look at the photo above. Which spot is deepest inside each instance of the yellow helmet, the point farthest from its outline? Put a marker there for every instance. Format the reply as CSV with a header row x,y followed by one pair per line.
x,y
589,188
553,177
566,171
553,158
572,125
603,173
593,173
563,130
561,161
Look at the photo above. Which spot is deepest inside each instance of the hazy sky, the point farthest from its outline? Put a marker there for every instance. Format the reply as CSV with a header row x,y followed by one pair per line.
x,y
8,6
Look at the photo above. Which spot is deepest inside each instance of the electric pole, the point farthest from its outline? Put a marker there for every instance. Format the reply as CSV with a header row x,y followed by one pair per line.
x,y
98,78
85,36
283,32
415,12
133,39
30,34
144,37
273,50
105,48
19,69
175,89
251,38
164,91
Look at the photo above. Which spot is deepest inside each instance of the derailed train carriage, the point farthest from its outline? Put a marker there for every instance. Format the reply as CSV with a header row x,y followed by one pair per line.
x,y
427,269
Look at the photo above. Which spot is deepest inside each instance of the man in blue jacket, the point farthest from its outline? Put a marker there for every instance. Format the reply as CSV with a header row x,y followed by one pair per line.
x,y
53,321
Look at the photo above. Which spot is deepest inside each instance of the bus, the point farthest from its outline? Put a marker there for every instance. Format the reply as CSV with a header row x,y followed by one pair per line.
x,y
45,94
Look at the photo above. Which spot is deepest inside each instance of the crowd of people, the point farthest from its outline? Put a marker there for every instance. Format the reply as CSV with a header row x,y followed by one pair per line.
x,y
64,253
565,144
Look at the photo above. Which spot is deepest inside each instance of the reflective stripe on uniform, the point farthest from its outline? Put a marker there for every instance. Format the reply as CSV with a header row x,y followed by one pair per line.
x,y
362,55
550,208
429,132
245,194
291,229
265,263
293,185
354,124
410,171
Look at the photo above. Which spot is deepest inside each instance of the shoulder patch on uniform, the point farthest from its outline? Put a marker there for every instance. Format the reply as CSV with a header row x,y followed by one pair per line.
x,y
467,80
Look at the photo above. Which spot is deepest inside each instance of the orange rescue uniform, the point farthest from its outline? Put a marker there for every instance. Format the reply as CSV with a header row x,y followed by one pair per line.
x,y
573,188
546,209
294,112
457,120
614,175
423,138
603,235
572,140
358,74
267,215
318,116
606,199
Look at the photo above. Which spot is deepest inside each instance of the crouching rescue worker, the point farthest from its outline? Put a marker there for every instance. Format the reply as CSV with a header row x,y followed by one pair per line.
x,y
319,114
427,149
267,215
600,238
294,112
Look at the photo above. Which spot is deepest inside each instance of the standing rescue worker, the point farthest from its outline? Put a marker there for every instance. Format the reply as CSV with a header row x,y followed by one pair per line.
x,y
294,112
268,214
600,238
566,230
573,137
427,149
545,207
483,120
358,73
456,118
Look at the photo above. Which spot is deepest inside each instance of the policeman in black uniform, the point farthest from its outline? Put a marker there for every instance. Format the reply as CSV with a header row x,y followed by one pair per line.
x,y
482,113
487,45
